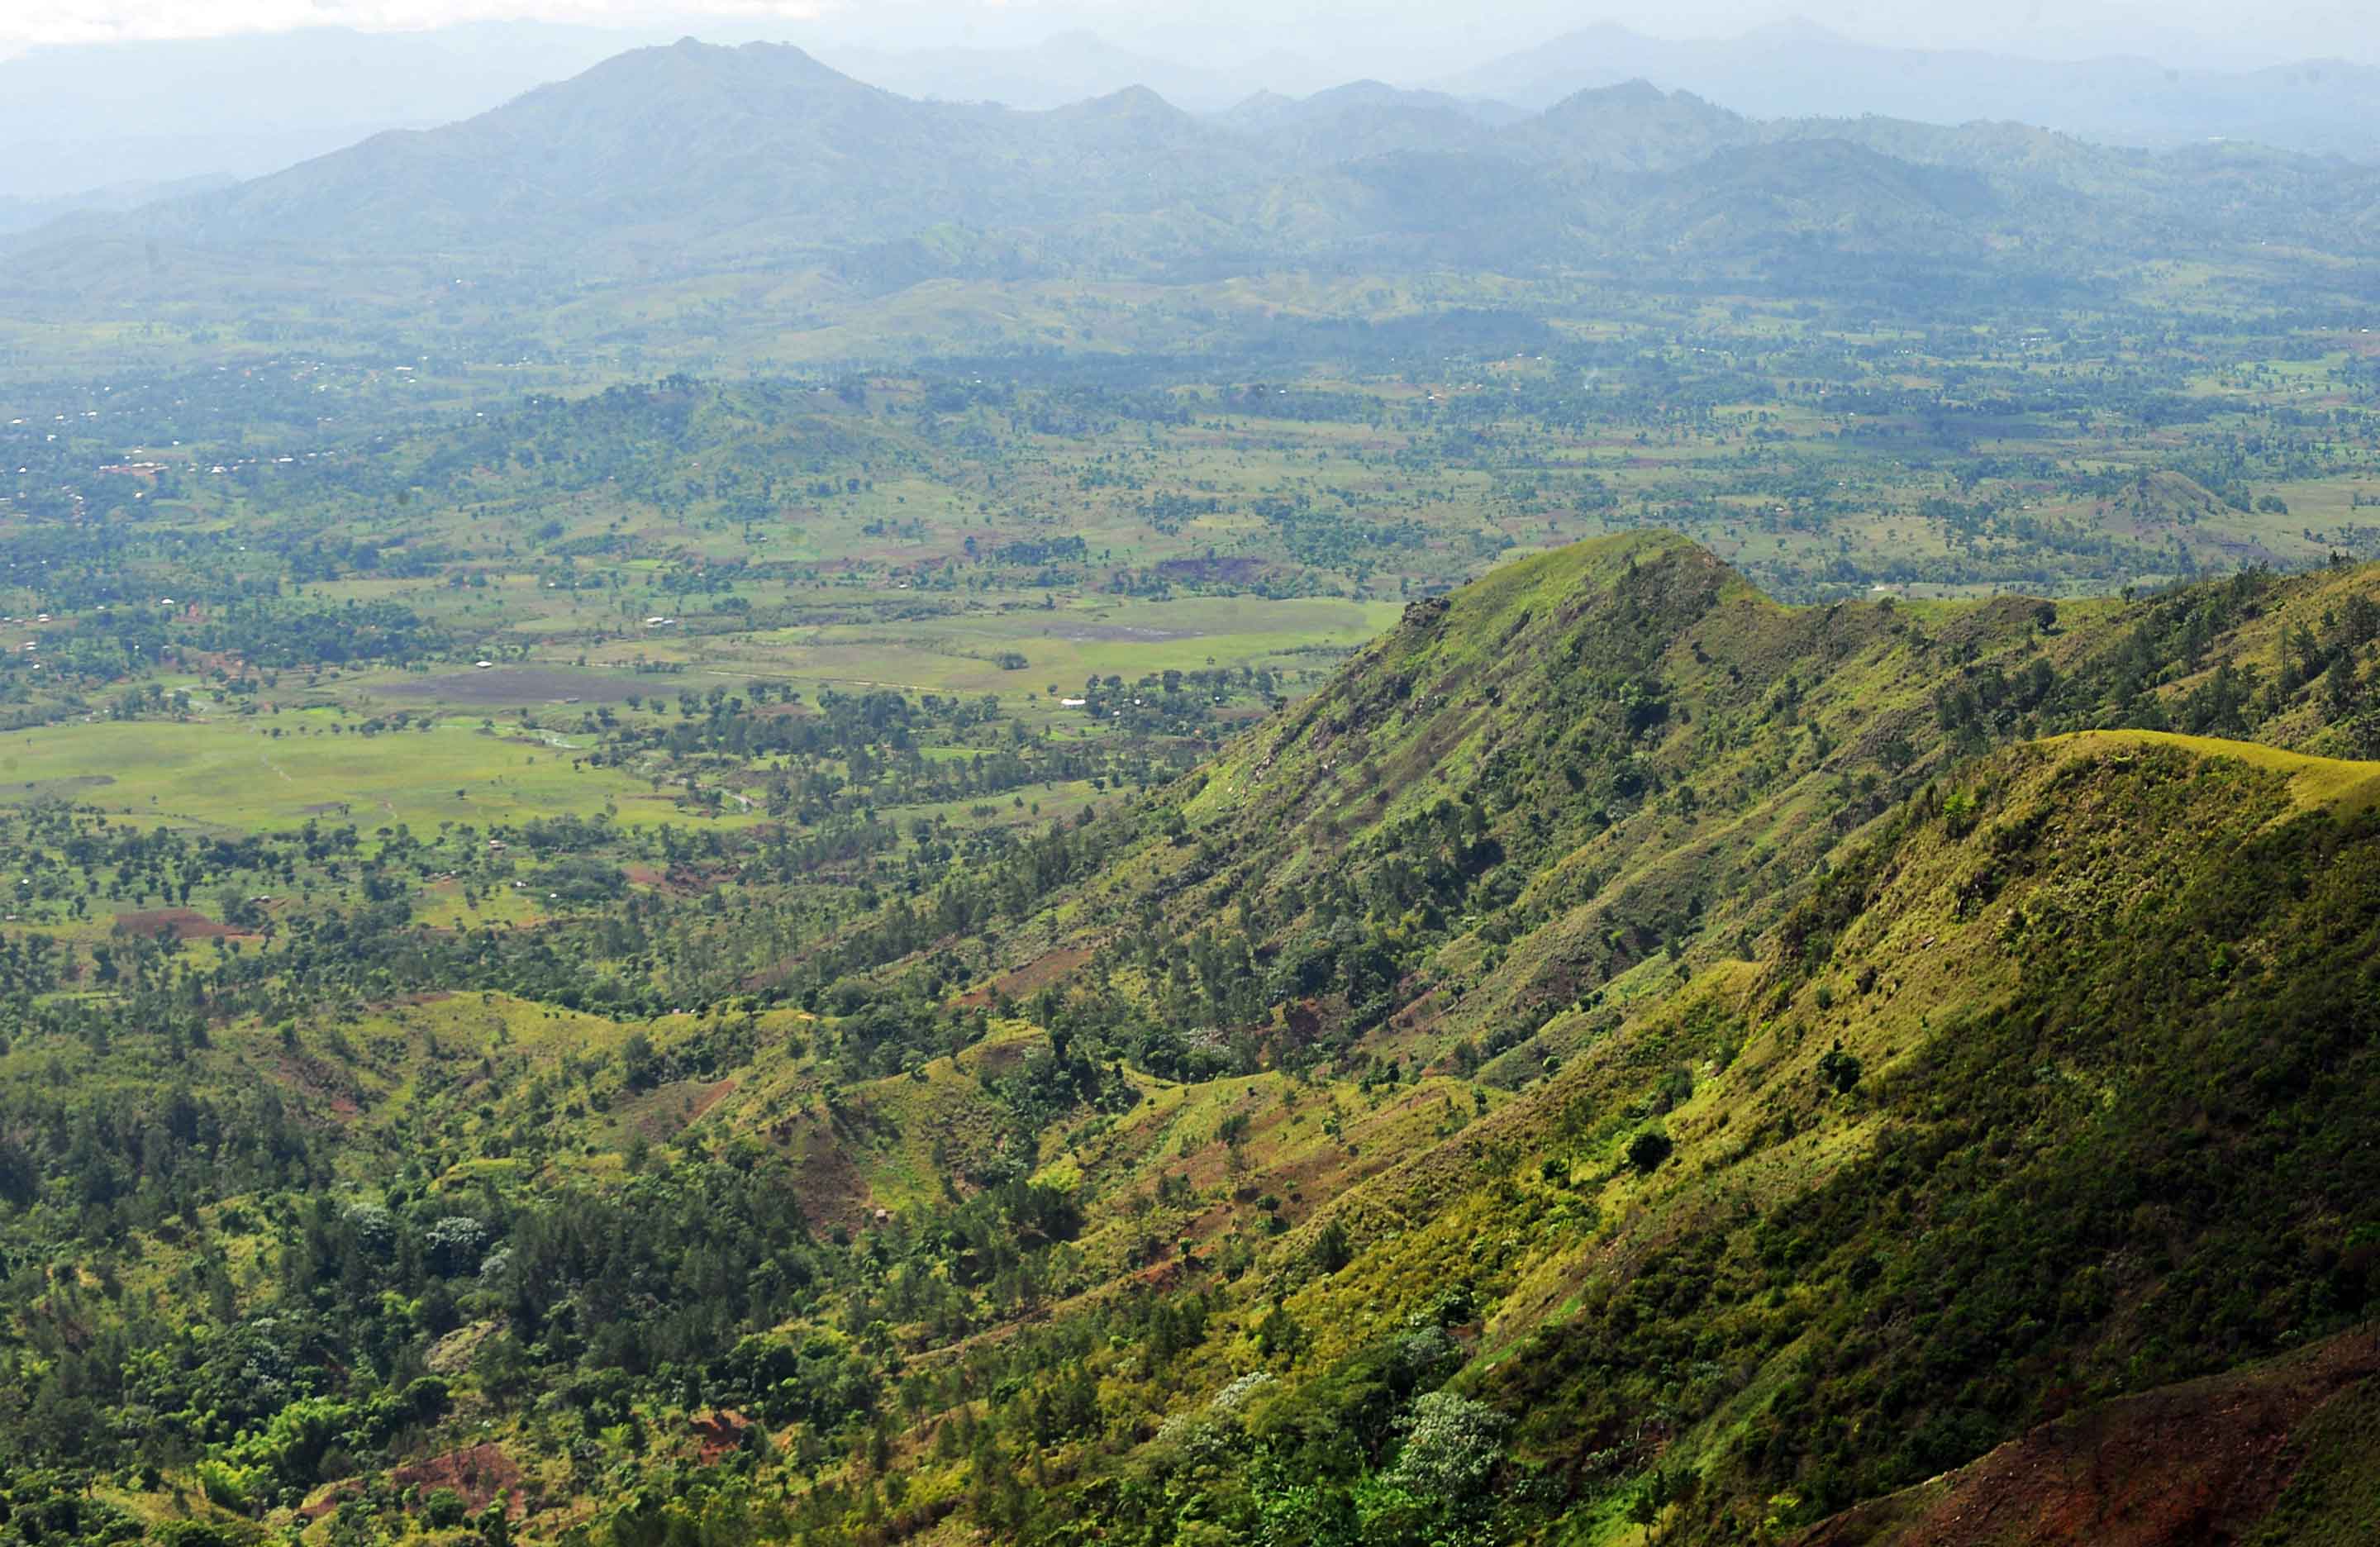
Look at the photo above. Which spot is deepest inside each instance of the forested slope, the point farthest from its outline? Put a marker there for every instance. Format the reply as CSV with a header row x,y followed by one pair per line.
x,y
1626,1057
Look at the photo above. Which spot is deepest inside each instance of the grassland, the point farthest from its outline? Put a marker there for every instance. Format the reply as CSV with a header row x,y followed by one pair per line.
x,y
247,775
2340,785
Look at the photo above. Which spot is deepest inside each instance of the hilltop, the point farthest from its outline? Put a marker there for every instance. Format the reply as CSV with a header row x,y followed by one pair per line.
x,y
1626,1058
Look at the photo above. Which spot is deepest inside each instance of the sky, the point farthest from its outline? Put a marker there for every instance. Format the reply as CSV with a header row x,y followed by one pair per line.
x,y
2192,32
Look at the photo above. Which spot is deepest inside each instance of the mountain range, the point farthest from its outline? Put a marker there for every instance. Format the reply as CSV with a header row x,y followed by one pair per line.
x,y
691,159
77,118
2328,106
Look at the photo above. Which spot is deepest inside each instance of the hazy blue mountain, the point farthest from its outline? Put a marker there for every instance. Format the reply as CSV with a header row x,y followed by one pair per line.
x,y
1070,68
26,214
692,159
74,118
1797,69
1271,110
1632,127
1368,118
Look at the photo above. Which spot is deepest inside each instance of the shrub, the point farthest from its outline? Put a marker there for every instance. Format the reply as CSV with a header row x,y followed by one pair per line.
x,y
1452,1446
1840,1070
455,1245
444,1509
1648,1149
226,1486
197,1533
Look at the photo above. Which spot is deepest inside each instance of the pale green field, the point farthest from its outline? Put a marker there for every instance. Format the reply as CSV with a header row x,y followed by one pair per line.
x,y
230,773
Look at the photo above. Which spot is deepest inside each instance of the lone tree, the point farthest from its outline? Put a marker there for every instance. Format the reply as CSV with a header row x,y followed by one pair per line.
x,y
1840,1069
1648,1149
1332,1250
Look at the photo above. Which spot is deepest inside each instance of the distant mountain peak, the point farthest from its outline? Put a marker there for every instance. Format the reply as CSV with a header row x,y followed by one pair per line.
x,y
1630,96
1636,92
1132,103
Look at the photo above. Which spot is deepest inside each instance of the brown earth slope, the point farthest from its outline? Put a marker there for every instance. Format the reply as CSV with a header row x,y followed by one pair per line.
x,y
2205,1461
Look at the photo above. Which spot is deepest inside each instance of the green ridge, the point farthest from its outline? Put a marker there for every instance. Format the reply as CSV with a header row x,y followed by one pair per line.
x,y
1626,1061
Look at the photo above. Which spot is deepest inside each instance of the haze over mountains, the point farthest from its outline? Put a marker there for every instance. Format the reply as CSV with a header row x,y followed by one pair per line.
x,y
1073,66
27,213
694,159
2329,106
79,118
86,117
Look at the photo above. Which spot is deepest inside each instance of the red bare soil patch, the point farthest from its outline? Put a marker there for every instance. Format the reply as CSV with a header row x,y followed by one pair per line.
x,y
478,1473
719,1433
672,1109
187,923
830,1188
1030,978
320,1082
2192,1463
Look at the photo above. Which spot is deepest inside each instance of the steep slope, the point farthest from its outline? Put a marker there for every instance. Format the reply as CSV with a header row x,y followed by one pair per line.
x,y
1619,755
2280,1451
1973,1148
1773,1229
1966,1152
1626,1056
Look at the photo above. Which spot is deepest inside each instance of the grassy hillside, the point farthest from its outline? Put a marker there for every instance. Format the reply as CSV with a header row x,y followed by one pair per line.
x,y
1624,1059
